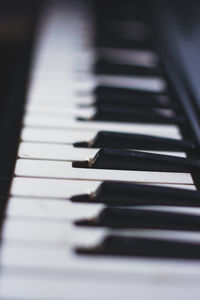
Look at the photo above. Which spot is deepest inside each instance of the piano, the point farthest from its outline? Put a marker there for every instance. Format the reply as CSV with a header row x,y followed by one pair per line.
x,y
100,150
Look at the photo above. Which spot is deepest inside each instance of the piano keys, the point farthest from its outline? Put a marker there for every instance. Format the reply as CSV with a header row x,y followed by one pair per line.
x,y
58,238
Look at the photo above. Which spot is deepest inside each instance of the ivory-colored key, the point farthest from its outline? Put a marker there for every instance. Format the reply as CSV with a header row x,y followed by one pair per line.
x,y
64,189
48,90
63,233
65,112
64,170
71,123
38,230
69,136
62,209
50,209
43,108
45,286
66,136
67,152
52,188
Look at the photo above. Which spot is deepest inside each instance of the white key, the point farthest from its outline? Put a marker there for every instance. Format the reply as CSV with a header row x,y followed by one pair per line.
x,y
53,209
67,152
49,90
65,112
75,108
62,232
51,188
68,123
61,91
59,210
54,152
69,136
64,170
55,188
66,136
44,108
42,287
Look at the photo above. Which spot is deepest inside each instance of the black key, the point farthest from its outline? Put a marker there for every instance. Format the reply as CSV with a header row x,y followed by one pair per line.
x,y
135,102
108,92
143,219
123,114
129,194
123,43
135,160
131,98
105,66
144,247
108,139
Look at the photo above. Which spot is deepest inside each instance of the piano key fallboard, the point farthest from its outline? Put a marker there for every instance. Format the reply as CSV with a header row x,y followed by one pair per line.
x,y
104,201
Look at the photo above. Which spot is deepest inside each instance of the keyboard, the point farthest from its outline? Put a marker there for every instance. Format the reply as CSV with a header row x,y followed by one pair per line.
x,y
100,163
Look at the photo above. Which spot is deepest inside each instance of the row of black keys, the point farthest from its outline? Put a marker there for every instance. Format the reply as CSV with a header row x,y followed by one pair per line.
x,y
124,104
121,104
122,199
122,212
135,106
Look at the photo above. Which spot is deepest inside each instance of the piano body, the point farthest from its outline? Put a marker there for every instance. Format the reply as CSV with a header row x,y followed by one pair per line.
x,y
99,156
